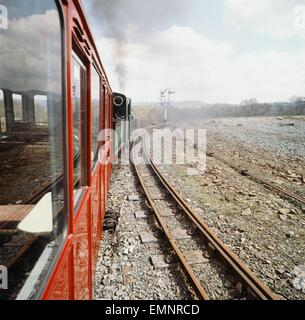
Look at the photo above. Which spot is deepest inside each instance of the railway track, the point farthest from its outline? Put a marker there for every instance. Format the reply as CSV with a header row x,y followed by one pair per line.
x,y
247,173
32,200
271,186
150,176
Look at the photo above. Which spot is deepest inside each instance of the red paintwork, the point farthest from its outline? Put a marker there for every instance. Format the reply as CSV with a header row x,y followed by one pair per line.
x,y
73,275
81,251
96,215
61,286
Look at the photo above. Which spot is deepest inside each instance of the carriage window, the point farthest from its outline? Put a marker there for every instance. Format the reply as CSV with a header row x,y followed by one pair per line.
x,y
106,111
41,110
103,107
2,114
79,125
32,179
110,109
95,98
17,103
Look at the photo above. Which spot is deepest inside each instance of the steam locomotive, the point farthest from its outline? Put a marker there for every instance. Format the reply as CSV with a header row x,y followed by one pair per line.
x,y
124,121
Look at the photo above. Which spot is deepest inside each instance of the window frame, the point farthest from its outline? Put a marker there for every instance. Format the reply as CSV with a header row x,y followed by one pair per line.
x,y
103,112
66,223
1,129
96,157
107,124
78,54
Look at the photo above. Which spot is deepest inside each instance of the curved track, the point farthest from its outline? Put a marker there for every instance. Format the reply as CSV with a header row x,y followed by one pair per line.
x,y
244,172
250,282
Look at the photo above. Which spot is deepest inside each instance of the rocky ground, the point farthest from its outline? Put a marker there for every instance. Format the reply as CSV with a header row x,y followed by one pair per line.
x,y
274,148
277,135
264,229
22,165
124,269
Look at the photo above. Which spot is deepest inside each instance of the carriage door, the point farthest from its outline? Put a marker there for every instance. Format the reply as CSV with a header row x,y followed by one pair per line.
x,y
81,205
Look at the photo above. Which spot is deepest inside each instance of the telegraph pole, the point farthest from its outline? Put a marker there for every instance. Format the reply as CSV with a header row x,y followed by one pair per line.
x,y
164,103
168,104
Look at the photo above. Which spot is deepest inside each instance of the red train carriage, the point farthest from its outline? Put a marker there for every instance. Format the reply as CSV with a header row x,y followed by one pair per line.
x,y
54,101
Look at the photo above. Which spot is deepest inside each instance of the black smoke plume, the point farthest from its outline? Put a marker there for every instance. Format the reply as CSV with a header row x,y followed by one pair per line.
x,y
112,19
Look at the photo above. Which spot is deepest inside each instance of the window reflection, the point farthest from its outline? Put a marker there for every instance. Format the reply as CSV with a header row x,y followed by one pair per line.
x,y
2,114
41,110
17,104
106,111
95,98
31,139
79,125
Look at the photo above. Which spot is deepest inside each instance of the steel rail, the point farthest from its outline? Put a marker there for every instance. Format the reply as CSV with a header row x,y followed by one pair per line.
x,y
184,264
246,173
259,289
33,199
41,192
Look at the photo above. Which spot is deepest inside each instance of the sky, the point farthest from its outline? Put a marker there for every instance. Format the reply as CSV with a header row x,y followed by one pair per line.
x,y
27,60
206,50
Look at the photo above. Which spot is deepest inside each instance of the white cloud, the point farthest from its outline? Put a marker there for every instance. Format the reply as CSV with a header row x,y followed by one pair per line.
x,y
272,17
30,53
201,69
